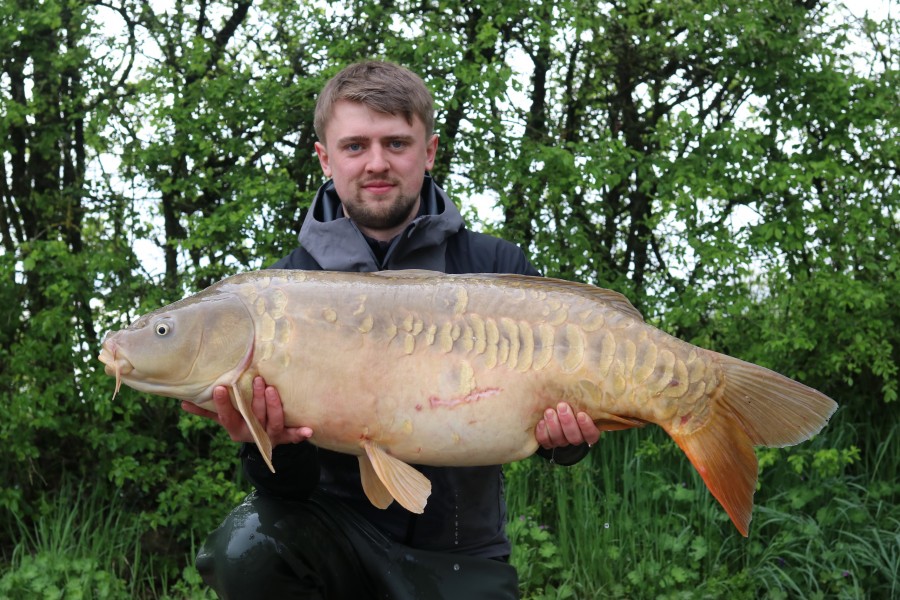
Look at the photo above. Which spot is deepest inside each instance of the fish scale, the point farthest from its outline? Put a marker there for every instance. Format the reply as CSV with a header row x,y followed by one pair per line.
x,y
413,367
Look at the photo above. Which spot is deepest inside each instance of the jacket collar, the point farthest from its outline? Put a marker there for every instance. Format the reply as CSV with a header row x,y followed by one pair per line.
x,y
335,242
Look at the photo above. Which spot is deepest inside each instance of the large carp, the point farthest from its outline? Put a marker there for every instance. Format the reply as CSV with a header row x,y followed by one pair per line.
x,y
403,367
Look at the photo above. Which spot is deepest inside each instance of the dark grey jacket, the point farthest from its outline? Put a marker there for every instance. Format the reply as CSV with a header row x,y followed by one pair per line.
x,y
466,511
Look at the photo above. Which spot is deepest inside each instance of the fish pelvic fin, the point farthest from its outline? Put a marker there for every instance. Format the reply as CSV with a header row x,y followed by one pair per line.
x,y
375,491
260,437
753,406
386,476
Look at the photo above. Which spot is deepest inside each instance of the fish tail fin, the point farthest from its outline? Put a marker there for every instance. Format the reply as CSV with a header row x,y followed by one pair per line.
x,y
753,407
774,410
723,454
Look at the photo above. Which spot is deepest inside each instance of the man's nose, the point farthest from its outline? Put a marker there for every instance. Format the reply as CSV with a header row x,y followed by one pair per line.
x,y
378,160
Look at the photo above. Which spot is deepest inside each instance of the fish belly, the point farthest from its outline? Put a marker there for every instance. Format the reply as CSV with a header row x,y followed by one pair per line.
x,y
433,409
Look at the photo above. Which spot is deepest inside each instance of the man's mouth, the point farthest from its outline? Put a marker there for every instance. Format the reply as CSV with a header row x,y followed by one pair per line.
x,y
378,187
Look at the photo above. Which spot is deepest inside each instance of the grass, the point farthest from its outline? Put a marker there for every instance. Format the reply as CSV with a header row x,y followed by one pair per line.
x,y
635,521
85,544
71,551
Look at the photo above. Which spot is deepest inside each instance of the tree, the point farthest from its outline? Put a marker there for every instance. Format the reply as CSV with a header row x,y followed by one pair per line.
x,y
708,159
54,92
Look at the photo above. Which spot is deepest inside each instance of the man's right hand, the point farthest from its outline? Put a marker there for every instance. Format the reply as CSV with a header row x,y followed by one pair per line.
x,y
267,407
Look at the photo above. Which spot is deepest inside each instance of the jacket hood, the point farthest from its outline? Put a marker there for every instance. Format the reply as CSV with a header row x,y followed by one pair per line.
x,y
335,242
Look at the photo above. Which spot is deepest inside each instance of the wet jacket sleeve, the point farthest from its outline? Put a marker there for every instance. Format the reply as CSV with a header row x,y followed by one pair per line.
x,y
565,456
296,470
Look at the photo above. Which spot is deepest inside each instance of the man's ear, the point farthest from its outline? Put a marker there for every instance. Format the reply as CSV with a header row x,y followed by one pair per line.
x,y
430,152
322,153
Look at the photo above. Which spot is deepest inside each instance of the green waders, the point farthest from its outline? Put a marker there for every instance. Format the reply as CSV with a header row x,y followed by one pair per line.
x,y
273,548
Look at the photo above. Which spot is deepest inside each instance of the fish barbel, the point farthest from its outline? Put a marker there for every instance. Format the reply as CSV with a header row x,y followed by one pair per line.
x,y
415,367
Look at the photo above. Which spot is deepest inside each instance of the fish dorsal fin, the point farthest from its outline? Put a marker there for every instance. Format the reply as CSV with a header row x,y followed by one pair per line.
x,y
402,482
610,298
408,274
242,402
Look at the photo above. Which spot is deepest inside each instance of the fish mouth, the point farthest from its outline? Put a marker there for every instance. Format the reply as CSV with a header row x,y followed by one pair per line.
x,y
115,363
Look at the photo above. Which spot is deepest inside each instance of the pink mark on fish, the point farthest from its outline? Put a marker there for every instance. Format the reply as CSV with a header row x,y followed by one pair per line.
x,y
467,399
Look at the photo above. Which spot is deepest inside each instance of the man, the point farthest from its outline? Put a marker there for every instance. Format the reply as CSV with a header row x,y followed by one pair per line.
x,y
308,531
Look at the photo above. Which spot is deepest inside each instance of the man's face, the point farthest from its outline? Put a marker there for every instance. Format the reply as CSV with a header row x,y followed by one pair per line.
x,y
378,162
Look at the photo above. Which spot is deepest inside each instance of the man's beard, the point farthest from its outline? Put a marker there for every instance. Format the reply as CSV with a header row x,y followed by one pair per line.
x,y
383,215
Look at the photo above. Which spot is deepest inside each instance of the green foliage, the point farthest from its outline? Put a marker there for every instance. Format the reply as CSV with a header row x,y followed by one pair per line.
x,y
53,576
538,560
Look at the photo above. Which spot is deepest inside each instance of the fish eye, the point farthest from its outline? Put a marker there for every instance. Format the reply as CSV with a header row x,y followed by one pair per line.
x,y
163,328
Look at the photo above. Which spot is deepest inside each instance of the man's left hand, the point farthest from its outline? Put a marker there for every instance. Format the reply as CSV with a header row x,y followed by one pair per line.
x,y
562,427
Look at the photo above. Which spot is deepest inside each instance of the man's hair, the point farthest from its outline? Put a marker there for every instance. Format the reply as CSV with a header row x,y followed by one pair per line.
x,y
383,87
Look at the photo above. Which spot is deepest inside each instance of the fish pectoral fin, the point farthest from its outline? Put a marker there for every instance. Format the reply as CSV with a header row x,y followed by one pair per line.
x,y
375,491
611,422
403,483
256,429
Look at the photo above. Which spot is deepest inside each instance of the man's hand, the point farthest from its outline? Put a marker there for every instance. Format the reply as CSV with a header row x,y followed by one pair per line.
x,y
266,406
562,427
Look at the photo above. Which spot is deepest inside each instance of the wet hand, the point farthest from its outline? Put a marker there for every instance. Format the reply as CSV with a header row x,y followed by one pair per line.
x,y
562,427
267,407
